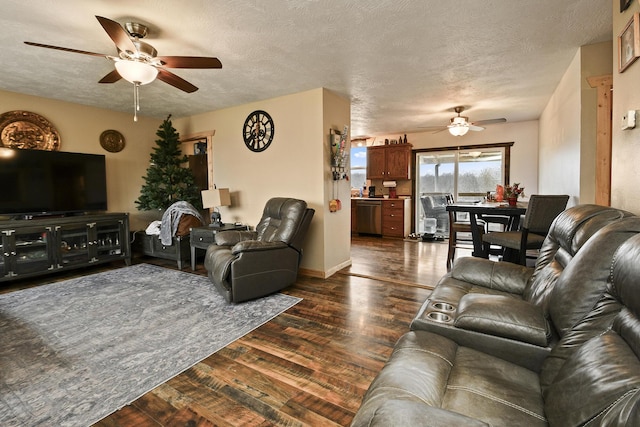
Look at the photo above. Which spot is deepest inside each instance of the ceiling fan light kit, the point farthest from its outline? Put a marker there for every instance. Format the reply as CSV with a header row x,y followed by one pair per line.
x,y
136,72
137,62
459,125
458,129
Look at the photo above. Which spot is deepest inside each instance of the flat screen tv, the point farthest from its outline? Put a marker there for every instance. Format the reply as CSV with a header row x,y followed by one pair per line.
x,y
38,182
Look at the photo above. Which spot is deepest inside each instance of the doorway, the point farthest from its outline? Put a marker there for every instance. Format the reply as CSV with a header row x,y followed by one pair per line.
x,y
467,173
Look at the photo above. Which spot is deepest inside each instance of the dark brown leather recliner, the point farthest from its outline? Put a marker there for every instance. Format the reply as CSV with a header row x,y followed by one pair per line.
x,y
244,265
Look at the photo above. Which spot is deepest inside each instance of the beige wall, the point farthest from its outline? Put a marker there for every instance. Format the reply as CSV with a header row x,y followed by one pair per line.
x,y
80,127
295,165
524,153
337,225
625,174
567,128
559,148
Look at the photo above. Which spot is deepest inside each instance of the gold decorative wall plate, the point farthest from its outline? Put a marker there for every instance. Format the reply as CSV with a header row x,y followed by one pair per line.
x,y
27,130
112,141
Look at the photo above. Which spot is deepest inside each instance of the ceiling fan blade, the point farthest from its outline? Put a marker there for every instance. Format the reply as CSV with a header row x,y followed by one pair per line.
x,y
189,62
118,34
475,128
66,49
175,81
432,127
112,77
489,122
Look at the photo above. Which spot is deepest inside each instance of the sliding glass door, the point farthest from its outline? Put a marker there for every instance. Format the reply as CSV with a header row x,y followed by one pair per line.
x,y
466,174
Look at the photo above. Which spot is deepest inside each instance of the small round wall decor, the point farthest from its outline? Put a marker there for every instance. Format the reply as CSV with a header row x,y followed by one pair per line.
x,y
112,141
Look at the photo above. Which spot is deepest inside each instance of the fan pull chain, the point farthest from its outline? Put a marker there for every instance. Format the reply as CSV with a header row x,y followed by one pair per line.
x,y
136,100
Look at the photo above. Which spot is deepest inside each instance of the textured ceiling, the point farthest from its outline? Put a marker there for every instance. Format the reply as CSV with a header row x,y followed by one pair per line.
x,y
402,63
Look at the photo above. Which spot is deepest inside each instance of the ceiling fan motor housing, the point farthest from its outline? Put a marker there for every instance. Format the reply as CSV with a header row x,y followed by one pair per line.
x,y
459,121
145,52
136,30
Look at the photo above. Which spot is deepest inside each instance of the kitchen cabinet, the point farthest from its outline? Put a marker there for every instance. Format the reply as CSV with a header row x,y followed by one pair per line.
x,y
354,216
389,162
34,247
396,217
393,217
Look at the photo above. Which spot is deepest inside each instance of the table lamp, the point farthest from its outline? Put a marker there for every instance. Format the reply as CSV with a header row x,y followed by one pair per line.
x,y
214,199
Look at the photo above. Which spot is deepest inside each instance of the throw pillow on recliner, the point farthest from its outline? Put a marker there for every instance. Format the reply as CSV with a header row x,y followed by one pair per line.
x,y
186,223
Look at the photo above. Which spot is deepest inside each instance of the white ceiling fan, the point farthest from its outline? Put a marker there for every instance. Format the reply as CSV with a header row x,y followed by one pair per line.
x,y
460,125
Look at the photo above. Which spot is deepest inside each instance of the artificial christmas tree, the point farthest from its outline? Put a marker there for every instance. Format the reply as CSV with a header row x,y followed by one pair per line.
x,y
167,181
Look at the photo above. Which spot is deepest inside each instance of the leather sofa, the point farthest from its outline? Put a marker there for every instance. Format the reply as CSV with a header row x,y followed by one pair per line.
x,y
504,309
245,265
587,285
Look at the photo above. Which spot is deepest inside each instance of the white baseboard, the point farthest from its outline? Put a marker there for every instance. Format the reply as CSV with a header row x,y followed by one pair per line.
x,y
324,274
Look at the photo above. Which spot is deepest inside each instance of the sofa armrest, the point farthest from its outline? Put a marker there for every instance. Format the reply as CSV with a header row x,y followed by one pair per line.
x,y
502,276
232,237
401,412
503,316
256,245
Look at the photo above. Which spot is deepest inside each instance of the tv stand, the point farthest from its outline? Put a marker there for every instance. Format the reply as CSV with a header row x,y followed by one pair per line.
x,y
44,245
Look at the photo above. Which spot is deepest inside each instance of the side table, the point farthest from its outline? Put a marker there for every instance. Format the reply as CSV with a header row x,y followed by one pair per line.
x,y
202,237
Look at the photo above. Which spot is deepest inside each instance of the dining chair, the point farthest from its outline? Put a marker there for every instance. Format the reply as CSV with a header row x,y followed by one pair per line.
x,y
459,237
460,232
541,211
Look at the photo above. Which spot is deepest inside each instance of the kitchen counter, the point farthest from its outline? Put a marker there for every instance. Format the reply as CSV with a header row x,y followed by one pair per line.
x,y
381,198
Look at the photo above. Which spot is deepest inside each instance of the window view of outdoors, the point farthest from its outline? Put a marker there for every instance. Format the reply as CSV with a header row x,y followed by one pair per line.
x,y
478,172
358,167
467,175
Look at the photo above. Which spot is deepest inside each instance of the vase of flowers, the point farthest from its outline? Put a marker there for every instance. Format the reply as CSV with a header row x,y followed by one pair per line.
x,y
512,192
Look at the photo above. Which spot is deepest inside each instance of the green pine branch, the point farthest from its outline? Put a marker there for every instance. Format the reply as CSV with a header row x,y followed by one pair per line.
x,y
167,181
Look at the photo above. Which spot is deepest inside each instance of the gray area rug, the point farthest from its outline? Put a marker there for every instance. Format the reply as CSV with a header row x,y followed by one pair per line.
x,y
73,352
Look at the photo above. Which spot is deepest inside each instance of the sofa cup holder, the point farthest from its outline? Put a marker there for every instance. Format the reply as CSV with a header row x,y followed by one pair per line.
x,y
438,316
443,306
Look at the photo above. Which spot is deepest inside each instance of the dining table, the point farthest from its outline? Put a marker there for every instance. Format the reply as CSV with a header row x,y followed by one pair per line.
x,y
488,211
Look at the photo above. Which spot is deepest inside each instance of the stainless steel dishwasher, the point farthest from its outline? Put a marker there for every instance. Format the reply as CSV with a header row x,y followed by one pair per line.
x,y
369,216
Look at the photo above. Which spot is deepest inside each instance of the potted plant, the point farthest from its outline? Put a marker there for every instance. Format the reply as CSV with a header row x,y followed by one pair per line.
x,y
512,192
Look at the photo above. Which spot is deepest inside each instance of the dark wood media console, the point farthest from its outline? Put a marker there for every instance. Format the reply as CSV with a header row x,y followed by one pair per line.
x,y
33,247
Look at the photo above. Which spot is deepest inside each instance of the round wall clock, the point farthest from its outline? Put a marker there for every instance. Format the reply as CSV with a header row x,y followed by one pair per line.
x,y
258,131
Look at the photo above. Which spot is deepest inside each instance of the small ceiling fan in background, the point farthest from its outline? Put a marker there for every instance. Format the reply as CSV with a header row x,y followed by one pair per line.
x,y
460,125
137,61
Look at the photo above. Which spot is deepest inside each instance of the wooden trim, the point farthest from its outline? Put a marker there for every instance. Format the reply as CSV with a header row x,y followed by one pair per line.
x,y
198,136
466,147
604,86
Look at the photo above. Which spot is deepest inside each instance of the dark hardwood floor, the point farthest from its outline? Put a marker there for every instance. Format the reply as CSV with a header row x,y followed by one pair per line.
x,y
312,364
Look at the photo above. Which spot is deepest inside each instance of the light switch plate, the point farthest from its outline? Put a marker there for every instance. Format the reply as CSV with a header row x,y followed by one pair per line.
x,y
629,120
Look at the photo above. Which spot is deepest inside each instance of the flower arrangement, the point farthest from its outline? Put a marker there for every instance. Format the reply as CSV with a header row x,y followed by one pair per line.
x,y
513,191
